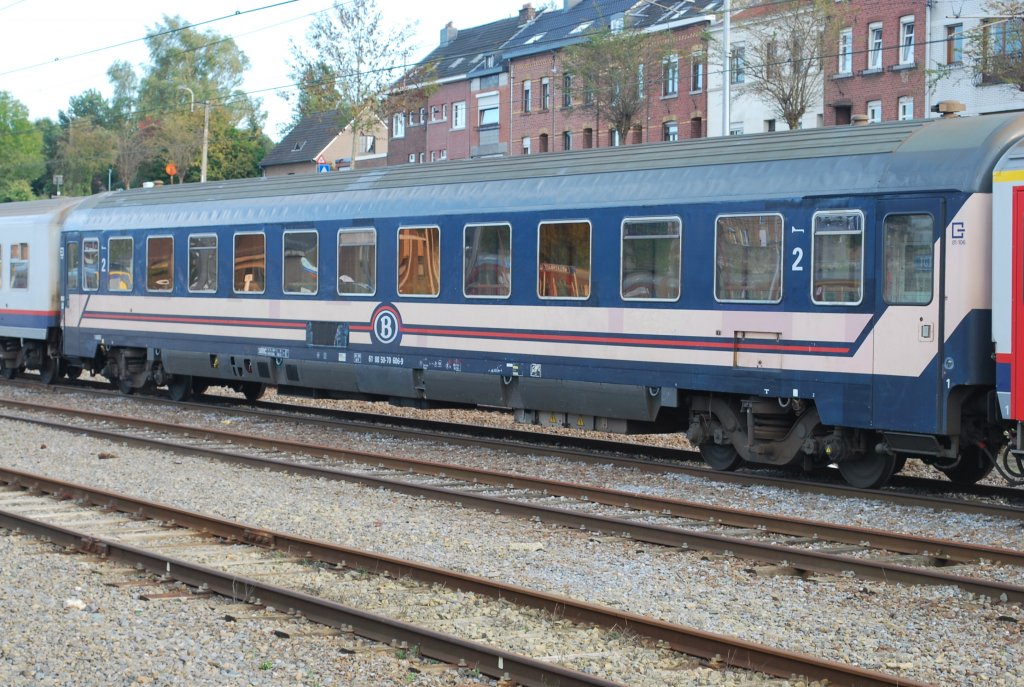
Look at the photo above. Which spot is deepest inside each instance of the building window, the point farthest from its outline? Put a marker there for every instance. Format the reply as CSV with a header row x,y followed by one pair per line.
x,y
769,125
435,113
875,46
444,154
527,96
412,158
837,258
697,74
368,144
670,131
423,115
567,140
563,260
357,261
738,70
159,263
567,90
907,40
119,275
908,259
459,115
735,129
955,44
487,269
670,75
433,156
301,262
398,125
488,108
651,259
419,261
588,138
543,142
696,127
250,263
202,263
545,94
423,158
526,145
845,51
906,107
874,111
748,258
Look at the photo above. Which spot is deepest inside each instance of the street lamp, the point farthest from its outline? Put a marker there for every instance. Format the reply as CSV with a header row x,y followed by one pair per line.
x,y
206,129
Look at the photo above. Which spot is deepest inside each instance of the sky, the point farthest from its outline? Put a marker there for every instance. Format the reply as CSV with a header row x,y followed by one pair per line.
x,y
52,50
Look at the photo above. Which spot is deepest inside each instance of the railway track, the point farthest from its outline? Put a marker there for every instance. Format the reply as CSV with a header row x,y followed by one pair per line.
x,y
319,580
903,490
780,545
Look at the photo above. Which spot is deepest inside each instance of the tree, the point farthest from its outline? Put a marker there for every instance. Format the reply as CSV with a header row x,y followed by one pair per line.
x,y
135,144
21,150
611,69
993,50
85,150
352,46
784,46
181,133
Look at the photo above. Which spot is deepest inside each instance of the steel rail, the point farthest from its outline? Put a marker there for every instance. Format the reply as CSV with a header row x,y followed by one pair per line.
x,y
733,651
798,559
588,449
592,450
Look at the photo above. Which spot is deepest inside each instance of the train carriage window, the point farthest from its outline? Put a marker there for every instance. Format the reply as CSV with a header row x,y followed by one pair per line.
x,y
837,258
91,264
487,261
419,261
301,262
250,263
651,259
202,263
72,261
357,261
120,270
159,263
1,264
748,258
909,245
19,266
563,260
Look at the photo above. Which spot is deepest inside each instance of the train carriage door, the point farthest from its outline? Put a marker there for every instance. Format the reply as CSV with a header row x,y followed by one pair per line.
x,y
1017,308
70,286
908,330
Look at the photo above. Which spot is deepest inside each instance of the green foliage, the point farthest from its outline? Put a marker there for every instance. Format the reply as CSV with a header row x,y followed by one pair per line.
x,y
611,71
21,150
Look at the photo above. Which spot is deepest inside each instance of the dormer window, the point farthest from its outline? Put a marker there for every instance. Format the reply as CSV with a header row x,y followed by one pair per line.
x,y
533,39
299,146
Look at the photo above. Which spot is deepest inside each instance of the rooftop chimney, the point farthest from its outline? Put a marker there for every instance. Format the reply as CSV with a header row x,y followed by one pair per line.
x,y
527,14
859,120
448,34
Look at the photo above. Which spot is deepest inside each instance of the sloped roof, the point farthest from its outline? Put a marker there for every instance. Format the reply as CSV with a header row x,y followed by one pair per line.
x,y
307,140
559,28
467,52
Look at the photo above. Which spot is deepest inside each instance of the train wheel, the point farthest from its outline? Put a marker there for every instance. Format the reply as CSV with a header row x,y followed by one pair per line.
x,y
51,371
179,388
253,391
9,372
974,465
870,471
720,456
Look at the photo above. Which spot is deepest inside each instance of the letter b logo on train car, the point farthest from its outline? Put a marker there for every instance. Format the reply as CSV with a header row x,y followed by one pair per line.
x,y
386,324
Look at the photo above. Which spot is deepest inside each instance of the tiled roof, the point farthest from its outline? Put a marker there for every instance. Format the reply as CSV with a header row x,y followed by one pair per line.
x,y
469,50
558,28
307,140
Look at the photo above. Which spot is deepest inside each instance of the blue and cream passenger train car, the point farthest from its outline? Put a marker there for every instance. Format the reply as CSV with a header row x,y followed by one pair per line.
x,y
792,299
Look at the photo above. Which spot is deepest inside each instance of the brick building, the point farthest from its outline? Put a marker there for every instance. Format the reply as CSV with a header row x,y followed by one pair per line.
x,y
547,109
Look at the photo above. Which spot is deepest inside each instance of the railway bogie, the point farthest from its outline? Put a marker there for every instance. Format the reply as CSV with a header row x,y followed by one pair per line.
x,y
794,300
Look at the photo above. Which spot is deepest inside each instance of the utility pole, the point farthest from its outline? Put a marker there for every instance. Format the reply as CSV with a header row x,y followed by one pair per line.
x,y
727,72
206,129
